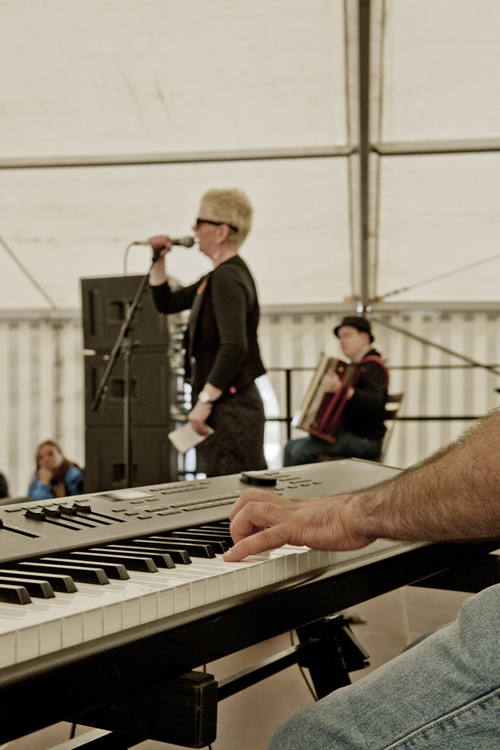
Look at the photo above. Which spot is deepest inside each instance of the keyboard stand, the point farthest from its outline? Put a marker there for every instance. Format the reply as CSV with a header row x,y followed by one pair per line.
x,y
334,652
183,711
327,648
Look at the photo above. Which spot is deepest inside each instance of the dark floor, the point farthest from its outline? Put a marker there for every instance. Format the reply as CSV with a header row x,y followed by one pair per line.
x,y
248,719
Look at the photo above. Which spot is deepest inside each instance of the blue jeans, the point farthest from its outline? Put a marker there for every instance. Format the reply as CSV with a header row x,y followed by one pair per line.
x,y
307,449
441,694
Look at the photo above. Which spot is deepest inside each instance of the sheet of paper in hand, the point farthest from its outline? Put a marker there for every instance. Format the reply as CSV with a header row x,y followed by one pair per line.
x,y
185,437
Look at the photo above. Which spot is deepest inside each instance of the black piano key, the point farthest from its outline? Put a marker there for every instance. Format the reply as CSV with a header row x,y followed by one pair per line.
x,y
144,564
182,536
58,581
192,548
219,532
198,531
112,570
160,558
13,594
83,575
179,556
219,544
39,589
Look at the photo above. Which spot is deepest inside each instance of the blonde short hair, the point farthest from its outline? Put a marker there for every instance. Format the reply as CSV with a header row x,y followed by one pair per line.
x,y
233,208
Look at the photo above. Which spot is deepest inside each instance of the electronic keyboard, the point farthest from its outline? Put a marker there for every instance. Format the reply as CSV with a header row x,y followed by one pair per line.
x,y
93,586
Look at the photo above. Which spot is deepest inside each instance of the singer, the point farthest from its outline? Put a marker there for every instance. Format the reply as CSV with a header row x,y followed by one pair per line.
x,y
222,350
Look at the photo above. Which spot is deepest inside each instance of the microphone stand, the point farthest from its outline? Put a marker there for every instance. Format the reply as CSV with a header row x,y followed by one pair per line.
x,y
123,345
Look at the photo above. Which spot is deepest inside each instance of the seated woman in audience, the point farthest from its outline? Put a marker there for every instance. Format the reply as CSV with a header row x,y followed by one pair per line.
x,y
4,487
55,476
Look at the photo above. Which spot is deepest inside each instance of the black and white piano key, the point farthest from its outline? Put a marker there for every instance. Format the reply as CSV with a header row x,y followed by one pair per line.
x,y
41,589
58,581
221,534
112,570
195,549
218,546
86,574
133,562
215,534
94,611
179,556
14,593
130,558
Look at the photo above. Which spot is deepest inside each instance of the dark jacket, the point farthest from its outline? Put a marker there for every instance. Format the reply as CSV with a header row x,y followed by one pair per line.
x,y
221,337
364,412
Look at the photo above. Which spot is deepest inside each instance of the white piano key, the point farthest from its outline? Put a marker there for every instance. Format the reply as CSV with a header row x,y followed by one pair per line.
x,y
166,601
27,645
7,647
191,583
93,626
50,636
234,577
291,562
220,577
72,630
131,614
182,597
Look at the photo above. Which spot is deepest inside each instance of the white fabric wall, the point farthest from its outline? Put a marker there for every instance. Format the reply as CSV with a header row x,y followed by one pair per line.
x,y
41,393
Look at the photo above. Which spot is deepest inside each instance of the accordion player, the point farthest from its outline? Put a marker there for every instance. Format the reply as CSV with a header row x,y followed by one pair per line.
x,y
344,406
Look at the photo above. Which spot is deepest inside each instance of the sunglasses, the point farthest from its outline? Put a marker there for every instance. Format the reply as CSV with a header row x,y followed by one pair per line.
x,y
214,223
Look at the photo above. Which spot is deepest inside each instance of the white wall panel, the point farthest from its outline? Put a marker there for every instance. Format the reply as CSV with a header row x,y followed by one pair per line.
x,y
41,392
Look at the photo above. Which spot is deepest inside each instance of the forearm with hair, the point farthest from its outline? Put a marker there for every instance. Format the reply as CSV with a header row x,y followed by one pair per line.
x,y
450,446
455,494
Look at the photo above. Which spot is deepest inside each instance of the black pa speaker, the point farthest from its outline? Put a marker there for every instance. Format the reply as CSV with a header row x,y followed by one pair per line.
x,y
154,459
105,303
153,389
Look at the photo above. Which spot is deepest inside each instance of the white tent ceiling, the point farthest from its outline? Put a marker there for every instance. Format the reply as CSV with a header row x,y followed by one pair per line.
x,y
116,115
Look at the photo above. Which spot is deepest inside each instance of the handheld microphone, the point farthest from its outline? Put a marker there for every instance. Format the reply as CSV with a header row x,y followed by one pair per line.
x,y
184,241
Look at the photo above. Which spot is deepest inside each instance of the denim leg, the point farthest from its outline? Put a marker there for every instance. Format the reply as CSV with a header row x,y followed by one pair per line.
x,y
442,694
307,449
350,445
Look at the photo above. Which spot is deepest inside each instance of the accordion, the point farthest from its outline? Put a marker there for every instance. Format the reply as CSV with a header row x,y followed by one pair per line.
x,y
320,413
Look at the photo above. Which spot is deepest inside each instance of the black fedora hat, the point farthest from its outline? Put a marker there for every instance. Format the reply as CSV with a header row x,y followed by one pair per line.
x,y
355,321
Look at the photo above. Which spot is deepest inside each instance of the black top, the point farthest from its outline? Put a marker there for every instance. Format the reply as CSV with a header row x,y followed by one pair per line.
x,y
364,412
222,328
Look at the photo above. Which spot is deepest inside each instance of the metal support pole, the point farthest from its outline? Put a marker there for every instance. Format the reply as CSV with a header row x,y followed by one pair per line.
x,y
364,142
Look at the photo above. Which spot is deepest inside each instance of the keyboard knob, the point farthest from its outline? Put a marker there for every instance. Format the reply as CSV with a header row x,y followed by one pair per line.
x,y
82,507
36,513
